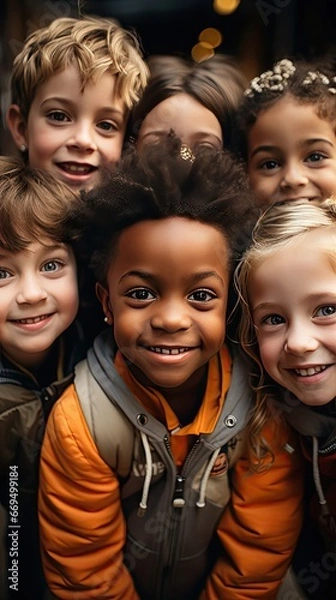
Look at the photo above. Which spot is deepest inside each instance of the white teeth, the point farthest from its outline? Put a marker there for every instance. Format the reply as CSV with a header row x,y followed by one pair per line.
x,y
31,321
310,371
167,351
77,169
80,169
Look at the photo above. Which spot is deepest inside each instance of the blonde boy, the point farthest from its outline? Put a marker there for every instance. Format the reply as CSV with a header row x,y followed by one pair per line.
x,y
72,87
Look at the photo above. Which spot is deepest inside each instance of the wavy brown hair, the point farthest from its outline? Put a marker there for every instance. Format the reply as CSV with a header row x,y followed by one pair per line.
x,y
33,205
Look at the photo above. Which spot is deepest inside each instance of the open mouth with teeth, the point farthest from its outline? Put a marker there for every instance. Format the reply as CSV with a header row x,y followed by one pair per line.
x,y
310,371
168,351
31,321
76,168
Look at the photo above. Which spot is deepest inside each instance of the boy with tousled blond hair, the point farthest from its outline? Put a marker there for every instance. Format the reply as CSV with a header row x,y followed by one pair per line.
x,y
72,87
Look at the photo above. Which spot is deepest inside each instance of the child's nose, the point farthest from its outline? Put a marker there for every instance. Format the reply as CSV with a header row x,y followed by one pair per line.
x,y
82,137
171,317
31,291
294,175
300,340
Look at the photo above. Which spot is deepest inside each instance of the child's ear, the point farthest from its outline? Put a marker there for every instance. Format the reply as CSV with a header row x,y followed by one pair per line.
x,y
103,297
17,126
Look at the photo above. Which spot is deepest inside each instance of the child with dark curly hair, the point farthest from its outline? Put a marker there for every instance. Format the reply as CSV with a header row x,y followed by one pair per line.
x,y
192,516
288,133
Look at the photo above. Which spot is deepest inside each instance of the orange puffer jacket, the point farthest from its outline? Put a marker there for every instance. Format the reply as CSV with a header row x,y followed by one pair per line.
x,y
206,533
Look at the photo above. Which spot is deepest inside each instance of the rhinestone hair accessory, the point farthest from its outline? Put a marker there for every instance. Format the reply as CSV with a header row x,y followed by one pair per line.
x,y
186,153
277,79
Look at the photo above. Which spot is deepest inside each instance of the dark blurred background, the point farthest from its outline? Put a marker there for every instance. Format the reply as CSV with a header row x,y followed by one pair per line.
x,y
254,32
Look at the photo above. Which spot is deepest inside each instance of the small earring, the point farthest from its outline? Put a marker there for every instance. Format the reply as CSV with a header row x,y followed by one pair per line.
x,y
106,320
23,148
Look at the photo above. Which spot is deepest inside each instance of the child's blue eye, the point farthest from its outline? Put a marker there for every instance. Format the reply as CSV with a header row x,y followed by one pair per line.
x,y
273,320
51,266
326,311
4,274
107,126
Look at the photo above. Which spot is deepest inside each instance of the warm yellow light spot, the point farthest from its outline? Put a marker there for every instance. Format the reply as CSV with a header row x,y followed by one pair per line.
x,y
210,36
225,7
201,52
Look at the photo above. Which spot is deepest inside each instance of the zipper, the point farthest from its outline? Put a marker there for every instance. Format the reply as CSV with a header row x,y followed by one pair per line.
x,y
330,448
177,514
178,499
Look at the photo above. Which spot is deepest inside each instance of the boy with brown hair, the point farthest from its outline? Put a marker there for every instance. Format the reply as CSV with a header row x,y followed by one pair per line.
x,y
40,342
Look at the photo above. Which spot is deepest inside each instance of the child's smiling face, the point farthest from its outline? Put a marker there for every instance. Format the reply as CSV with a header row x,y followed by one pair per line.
x,y
167,288
73,132
292,295
38,299
292,154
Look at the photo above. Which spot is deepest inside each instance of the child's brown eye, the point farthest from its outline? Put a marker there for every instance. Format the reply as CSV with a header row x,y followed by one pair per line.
x,y
202,296
141,294
270,164
57,116
315,157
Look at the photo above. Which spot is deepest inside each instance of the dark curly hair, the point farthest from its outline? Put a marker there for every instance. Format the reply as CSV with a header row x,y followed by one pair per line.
x,y
316,93
159,183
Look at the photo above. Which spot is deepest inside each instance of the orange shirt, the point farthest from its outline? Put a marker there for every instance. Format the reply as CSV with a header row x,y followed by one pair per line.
x,y
181,437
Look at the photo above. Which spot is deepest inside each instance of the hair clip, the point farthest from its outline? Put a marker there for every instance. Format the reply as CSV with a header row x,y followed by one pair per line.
x,y
186,153
313,76
274,81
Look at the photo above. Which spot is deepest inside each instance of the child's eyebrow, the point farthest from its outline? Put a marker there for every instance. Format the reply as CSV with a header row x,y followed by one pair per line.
x,y
312,141
193,277
66,101
305,142
264,148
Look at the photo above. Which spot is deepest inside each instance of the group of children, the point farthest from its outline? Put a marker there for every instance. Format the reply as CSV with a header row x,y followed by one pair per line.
x,y
173,455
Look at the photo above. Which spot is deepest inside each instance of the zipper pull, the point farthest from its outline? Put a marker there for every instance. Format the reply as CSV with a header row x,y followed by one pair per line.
x,y
178,500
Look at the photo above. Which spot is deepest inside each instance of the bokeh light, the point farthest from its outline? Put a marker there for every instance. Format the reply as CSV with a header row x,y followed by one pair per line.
x,y
225,7
202,51
210,36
